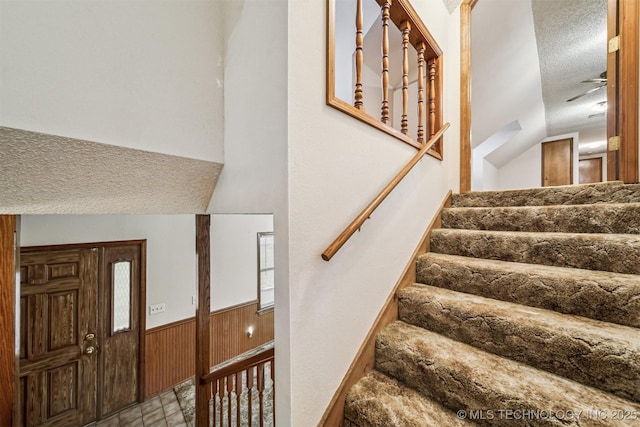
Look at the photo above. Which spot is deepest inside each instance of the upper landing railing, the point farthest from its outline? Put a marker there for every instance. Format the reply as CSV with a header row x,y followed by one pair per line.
x,y
425,76
419,73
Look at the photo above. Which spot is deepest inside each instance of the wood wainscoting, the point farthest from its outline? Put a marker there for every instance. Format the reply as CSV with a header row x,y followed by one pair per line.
x,y
170,349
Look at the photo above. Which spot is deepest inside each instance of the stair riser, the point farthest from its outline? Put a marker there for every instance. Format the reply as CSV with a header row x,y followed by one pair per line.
x,y
605,218
569,195
615,253
577,352
463,378
602,296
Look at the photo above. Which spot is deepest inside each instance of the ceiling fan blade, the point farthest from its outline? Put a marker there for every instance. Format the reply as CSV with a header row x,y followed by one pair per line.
x,y
586,93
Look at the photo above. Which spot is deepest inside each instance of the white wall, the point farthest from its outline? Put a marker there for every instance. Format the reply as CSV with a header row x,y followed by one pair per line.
x,y
171,255
489,176
522,172
336,165
525,171
506,81
255,108
139,74
234,258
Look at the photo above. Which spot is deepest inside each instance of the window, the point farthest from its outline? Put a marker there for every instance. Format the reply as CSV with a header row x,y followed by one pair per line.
x,y
121,294
266,282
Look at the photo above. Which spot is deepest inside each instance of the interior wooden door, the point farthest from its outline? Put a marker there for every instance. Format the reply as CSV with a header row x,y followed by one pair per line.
x,y
120,328
557,162
58,361
590,170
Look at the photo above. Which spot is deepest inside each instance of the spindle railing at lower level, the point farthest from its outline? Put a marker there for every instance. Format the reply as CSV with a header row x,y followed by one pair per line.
x,y
242,392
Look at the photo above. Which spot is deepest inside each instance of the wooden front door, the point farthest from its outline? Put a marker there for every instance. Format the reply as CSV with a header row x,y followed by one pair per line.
x,y
58,357
120,328
80,331
557,162
590,170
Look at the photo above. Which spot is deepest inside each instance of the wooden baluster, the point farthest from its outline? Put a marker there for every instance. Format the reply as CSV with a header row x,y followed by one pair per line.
x,y
261,392
421,47
432,97
214,387
406,29
229,390
273,391
385,62
359,56
249,395
238,396
221,381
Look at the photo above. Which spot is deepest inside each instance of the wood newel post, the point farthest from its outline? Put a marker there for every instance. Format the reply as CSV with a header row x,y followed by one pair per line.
x,y
385,62
359,56
432,97
203,313
421,116
406,29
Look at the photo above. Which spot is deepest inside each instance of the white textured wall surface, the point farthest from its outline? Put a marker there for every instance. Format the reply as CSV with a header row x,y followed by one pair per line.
x,y
234,258
50,174
506,77
336,166
255,107
139,74
171,254
522,172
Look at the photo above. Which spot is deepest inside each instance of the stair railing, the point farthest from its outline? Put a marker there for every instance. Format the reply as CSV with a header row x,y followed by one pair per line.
x,y
401,16
368,210
243,391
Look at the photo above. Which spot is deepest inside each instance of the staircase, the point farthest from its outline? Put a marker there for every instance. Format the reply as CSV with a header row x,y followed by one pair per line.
x,y
527,313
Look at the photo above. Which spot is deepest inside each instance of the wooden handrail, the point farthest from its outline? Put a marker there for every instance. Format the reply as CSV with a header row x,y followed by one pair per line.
x,y
239,365
367,211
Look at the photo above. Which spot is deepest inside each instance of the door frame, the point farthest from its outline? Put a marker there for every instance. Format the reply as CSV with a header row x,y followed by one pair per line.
x,y
142,319
627,15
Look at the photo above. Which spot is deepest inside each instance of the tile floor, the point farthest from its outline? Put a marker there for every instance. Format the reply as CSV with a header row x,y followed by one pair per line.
x,y
159,411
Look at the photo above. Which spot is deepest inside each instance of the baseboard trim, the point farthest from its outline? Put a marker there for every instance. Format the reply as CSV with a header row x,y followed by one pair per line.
x,y
364,360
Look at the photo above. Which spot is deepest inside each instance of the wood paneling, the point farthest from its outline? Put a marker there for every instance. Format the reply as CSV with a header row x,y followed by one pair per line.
x,y
365,358
171,348
229,336
7,318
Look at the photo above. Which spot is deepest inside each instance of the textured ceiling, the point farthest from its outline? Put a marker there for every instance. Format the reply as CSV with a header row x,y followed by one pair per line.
x,y
46,174
572,47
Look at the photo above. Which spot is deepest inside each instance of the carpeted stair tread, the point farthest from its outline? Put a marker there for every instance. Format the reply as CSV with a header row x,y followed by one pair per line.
x,y
618,253
462,377
601,295
380,401
618,218
595,353
610,192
